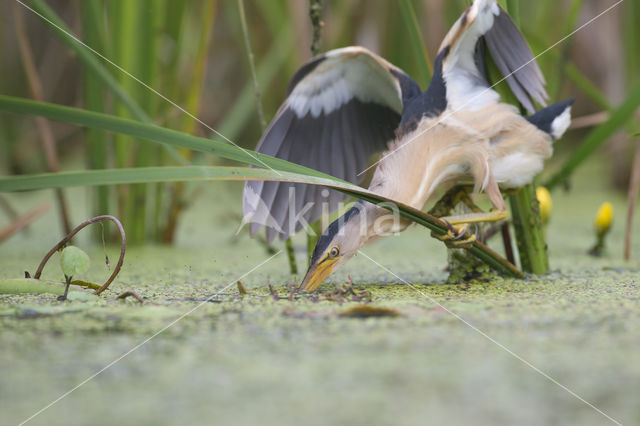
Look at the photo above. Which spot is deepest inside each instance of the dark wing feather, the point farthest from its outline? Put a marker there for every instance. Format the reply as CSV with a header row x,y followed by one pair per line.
x,y
513,57
342,107
463,68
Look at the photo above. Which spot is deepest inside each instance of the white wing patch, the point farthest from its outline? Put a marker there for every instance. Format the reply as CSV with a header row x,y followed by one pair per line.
x,y
340,78
466,89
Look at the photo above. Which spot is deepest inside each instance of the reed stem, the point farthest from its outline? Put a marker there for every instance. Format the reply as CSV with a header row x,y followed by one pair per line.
x,y
291,255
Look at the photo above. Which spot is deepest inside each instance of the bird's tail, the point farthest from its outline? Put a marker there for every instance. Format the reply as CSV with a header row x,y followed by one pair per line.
x,y
554,119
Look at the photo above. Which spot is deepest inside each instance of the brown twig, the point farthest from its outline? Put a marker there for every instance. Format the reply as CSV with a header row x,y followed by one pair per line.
x,y
591,120
77,229
274,293
506,241
43,126
130,294
242,289
22,222
342,292
634,186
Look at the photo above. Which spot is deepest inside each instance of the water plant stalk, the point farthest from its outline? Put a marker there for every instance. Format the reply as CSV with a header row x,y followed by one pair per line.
x,y
525,213
44,128
291,256
93,32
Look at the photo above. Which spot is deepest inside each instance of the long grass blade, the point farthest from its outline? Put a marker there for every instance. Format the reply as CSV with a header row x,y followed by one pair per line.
x,y
148,132
182,140
214,173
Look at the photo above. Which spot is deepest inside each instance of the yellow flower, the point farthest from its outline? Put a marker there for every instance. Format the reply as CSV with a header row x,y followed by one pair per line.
x,y
604,218
544,200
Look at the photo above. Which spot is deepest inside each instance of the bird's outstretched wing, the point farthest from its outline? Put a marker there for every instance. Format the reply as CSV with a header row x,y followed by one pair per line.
x,y
341,107
462,52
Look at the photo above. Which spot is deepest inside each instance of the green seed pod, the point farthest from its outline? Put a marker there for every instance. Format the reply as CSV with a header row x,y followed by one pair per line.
x,y
74,261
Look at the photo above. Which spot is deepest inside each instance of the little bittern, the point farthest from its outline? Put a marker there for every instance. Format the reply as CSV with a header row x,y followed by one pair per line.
x,y
347,104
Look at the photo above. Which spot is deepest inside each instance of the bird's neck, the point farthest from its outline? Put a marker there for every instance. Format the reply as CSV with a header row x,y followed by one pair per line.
x,y
375,221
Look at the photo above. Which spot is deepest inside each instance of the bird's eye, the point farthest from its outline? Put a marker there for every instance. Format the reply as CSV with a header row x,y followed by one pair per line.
x,y
334,252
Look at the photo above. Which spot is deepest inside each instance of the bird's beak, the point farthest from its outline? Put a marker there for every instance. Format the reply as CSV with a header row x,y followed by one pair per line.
x,y
317,273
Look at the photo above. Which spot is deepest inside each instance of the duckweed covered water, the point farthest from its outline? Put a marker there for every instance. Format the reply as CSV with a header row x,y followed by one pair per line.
x,y
248,359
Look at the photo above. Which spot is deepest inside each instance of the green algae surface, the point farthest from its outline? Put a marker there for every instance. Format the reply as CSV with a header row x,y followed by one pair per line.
x,y
421,352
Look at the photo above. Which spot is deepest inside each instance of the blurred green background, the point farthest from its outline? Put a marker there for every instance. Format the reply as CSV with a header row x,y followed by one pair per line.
x,y
193,53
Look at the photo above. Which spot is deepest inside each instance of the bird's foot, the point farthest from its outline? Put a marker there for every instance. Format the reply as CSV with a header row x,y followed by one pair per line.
x,y
456,237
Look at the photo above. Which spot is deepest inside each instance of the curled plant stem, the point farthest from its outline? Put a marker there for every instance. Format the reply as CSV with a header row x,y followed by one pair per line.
x,y
77,229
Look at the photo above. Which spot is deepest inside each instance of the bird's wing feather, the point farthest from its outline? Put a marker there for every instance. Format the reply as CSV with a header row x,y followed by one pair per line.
x,y
466,80
513,57
341,107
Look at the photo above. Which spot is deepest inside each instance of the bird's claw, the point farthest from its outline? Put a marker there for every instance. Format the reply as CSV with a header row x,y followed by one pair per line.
x,y
456,237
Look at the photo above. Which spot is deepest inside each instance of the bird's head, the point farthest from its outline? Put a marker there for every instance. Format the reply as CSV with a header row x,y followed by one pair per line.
x,y
338,243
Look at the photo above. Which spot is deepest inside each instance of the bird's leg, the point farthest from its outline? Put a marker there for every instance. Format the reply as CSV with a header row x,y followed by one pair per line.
x,y
460,194
454,196
457,237
479,217
500,212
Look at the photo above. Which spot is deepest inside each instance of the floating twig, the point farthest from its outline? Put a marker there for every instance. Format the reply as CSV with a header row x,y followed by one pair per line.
x,y
133,294
366,311
342,292
242,289
274,293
